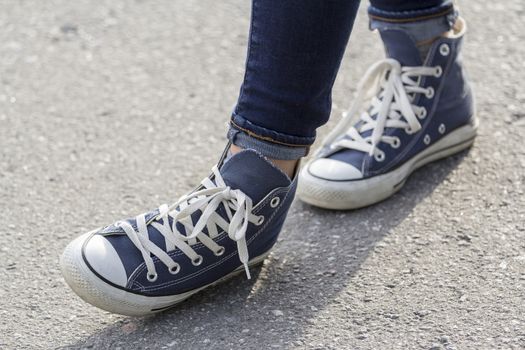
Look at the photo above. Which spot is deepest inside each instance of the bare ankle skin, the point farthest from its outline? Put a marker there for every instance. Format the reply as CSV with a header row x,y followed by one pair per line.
x,y
287,166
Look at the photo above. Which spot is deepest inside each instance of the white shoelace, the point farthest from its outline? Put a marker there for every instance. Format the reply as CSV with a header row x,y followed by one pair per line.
x,y
238,207
391,89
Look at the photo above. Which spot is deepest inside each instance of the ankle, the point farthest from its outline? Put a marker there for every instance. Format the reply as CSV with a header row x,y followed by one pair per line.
x,y
287,166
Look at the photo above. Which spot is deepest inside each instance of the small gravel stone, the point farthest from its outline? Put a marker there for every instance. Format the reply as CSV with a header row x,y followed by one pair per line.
x,y
277,313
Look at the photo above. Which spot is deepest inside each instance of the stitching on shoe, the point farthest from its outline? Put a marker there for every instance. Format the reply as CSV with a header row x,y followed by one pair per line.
x,y
220,237
392,164
219,262
209,267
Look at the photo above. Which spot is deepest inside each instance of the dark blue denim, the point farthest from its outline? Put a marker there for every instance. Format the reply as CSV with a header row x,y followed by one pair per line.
x,y
294,52
295,48
408,11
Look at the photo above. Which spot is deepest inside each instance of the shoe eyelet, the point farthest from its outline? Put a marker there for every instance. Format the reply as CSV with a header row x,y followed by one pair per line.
x,y
220,251
438,72
275,202
426,139
409,130
197,261
380,156
422,113
260,220
175,269
442,129
430,92
396,143
444,49
152,277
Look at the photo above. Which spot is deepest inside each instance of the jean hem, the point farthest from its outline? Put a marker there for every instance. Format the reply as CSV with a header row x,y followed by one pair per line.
x,y
410,16
242,124
268,149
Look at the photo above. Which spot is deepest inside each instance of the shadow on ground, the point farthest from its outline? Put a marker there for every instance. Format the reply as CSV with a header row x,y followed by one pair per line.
x,y
318,254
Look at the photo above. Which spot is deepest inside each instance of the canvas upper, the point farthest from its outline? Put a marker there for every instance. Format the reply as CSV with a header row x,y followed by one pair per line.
x,y
444,99
245,177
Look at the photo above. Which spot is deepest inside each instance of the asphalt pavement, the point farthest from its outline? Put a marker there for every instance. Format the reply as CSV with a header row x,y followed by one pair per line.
x,y
110,108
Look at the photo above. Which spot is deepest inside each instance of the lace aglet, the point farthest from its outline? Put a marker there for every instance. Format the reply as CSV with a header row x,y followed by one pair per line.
x,y
247,270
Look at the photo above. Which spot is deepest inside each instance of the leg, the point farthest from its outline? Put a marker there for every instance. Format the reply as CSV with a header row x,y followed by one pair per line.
x,y
231,221
422,109
295,48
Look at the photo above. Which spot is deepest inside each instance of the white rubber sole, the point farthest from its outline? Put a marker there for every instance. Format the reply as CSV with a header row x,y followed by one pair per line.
x,y
107,297
361,193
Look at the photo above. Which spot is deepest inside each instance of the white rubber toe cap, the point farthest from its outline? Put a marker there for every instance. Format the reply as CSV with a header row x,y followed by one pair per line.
x,y
104,259
331,169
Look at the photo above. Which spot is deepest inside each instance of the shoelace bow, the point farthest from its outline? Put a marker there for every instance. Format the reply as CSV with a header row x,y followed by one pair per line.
x,y
238,207
391,89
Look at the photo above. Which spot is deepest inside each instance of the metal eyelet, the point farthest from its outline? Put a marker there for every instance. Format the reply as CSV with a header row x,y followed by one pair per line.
x,y
430,92
442,129
438,72
426,139
152,277
380,156
220,251
175,269
409,130
197,261
422,113
444,49
275,202
396,143
260,220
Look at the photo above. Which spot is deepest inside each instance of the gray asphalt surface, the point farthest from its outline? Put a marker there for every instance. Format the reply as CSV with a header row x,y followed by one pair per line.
x,y
110,108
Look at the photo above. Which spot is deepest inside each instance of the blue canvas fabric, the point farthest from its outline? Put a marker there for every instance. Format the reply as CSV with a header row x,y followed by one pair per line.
x,y
451,105
255,176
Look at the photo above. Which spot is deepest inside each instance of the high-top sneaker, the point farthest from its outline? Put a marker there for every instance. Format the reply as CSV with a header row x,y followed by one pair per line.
x,y
151,262
408,112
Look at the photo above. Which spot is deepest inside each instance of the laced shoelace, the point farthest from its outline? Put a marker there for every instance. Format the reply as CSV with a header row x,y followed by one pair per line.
x,y
391,90
237,205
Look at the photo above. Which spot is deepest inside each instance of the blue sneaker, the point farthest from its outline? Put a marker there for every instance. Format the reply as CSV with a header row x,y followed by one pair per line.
x,y
414,112
151,262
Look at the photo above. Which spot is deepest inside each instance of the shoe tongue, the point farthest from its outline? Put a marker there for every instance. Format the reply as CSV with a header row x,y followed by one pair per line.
x,y
401,47
250,172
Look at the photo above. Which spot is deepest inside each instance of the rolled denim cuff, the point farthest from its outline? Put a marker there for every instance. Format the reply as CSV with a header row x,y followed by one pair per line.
x,y
442,10
270,143
420,29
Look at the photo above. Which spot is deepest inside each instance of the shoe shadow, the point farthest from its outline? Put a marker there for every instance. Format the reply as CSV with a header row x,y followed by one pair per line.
x,y
316,257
